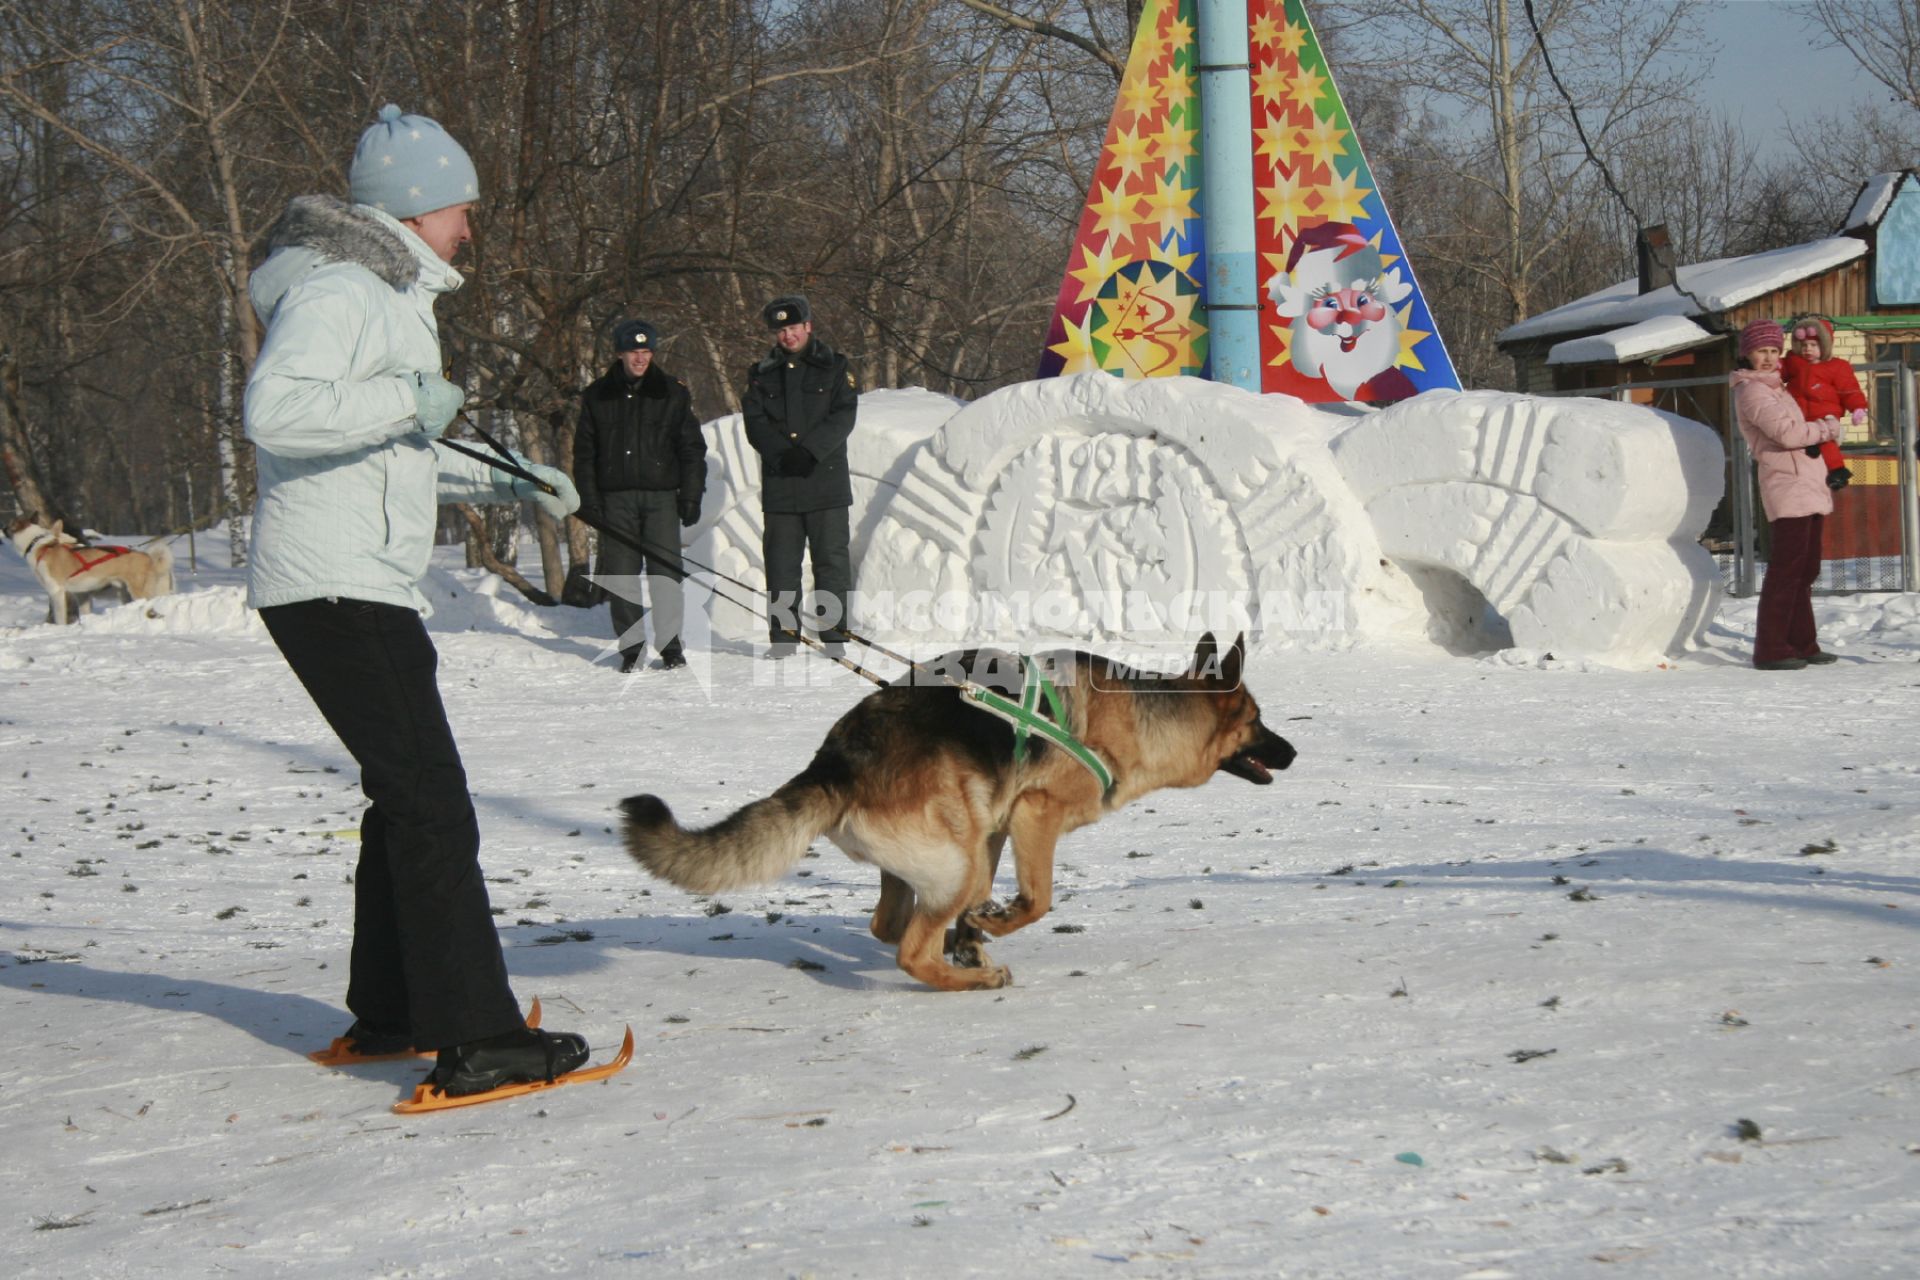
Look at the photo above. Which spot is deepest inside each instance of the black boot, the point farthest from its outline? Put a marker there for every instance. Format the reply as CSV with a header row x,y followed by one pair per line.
x,y
672,657
518,1057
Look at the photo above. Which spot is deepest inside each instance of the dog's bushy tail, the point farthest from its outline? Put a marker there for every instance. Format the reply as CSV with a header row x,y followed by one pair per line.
x,y
162,558
755,844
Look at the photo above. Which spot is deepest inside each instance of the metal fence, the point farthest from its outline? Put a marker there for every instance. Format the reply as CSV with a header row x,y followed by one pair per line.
x,y
1872,539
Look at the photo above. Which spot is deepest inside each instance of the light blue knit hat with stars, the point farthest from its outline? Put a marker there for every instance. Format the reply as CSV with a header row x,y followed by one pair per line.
x,y
408,165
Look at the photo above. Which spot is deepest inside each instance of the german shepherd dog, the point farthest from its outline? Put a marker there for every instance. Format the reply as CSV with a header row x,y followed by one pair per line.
x,y
71,571
927,789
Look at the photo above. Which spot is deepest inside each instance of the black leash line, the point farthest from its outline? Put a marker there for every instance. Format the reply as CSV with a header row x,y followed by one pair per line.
x,y
505,462
1019,714
510,467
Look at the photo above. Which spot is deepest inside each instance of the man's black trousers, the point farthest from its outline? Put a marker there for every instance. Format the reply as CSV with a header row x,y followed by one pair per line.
x,y
824,536
426,956
650,517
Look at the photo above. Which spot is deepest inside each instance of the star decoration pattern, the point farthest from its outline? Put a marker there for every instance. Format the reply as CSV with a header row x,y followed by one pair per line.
x,y
1131,299
1145,203
1308,169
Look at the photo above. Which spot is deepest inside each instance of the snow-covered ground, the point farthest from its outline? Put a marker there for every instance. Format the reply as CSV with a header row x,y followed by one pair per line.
x,y
1485,986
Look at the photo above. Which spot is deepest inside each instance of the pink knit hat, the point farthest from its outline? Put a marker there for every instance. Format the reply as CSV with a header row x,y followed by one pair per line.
x,y
1762,333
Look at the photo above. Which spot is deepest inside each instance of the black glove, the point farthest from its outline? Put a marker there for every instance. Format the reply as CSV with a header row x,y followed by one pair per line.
x,y
1812,451
1838,478
689,512
796,461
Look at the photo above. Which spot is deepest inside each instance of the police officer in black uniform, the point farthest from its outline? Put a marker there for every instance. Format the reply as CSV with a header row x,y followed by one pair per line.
x,y
800,403
639,461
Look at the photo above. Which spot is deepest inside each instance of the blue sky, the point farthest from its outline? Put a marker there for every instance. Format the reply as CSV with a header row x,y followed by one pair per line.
x,y
1767,66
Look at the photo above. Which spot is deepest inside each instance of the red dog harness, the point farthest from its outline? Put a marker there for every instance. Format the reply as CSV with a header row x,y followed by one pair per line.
x,y
100,555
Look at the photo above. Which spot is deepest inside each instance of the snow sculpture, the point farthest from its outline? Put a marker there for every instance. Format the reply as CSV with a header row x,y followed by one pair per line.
x,y
1097,510
1578,521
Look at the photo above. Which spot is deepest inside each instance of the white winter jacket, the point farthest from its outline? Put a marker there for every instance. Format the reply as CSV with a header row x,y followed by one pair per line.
x,y
349,487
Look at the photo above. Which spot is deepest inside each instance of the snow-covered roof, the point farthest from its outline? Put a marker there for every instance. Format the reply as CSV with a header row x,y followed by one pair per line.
x,y
1719,284
1871,204
1647,340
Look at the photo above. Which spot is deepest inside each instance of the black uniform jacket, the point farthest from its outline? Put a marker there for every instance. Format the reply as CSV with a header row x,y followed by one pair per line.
x,y
807,399
637,435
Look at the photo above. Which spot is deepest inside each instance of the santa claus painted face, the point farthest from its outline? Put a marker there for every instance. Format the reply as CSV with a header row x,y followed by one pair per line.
x,y
1340,296
1346,311
1347,332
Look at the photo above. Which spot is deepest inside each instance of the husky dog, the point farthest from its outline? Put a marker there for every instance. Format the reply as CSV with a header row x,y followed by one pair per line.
x,y
929,789
70,571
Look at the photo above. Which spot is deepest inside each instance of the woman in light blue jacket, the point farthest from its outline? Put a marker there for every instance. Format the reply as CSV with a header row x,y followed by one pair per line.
x,y
345,406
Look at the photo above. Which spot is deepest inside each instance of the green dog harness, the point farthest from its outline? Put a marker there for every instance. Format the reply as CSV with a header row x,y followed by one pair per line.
x,y
1038,711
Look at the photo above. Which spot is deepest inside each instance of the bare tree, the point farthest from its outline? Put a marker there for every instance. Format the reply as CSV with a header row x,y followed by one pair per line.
x,y
1699,176
1477,62
150,97
1090,42
916,166
1882,35
16,450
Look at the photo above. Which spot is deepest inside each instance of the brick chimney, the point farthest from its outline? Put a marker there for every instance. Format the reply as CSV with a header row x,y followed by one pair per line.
x,y
1655,253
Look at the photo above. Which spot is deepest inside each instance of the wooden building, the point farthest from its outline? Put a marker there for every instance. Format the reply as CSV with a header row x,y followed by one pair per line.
x,y
1668,338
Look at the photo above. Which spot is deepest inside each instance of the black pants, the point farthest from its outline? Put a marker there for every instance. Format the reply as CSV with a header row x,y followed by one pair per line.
x,y
650,517
824,535
426,956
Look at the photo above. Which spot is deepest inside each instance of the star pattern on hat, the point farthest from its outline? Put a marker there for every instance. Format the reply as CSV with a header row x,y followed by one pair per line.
x,y
439,173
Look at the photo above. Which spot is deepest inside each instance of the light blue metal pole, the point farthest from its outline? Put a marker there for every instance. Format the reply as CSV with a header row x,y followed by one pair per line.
x,y
1226,192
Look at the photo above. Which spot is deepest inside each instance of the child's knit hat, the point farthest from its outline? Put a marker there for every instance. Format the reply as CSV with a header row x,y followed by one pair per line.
x,y
1817,327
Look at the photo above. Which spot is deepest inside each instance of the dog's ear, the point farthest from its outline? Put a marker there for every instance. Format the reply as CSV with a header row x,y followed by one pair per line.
x,y
1235,660
1204,657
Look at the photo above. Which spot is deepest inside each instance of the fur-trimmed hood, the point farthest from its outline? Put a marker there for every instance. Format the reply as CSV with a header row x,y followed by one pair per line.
x,y
316,231
1822,332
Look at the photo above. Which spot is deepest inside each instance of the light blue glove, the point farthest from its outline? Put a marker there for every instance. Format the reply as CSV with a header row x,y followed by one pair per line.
x,y
560,504
435,401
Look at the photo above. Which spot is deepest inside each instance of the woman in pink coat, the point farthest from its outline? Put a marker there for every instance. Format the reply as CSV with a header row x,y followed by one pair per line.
x,y
1793,490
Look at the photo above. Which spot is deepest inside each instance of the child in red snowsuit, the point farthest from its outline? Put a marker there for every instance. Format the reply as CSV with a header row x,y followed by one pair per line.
x,y
1823,387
